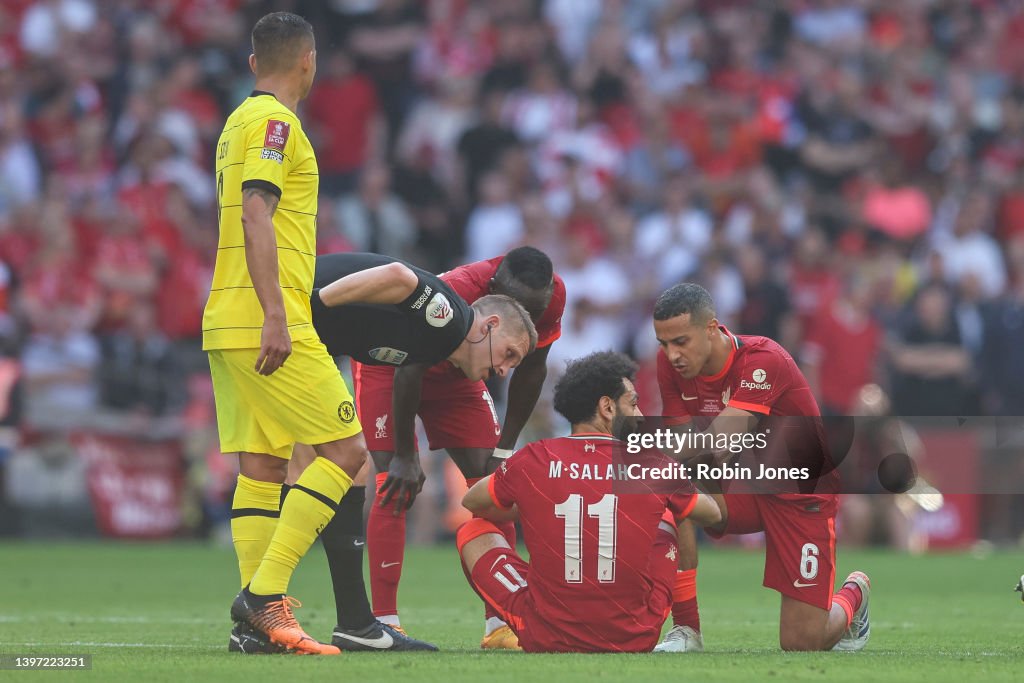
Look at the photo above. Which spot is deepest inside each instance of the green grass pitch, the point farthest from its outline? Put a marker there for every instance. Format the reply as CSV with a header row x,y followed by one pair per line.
x,y
159,613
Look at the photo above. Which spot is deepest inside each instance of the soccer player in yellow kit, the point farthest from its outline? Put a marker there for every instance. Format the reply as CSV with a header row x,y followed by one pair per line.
x,y
273,380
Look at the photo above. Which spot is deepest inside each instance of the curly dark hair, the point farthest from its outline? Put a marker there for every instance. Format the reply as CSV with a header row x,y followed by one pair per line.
x,y
587,379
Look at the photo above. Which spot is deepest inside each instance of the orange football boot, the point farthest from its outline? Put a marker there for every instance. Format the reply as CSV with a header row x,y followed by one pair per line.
x,y
274,618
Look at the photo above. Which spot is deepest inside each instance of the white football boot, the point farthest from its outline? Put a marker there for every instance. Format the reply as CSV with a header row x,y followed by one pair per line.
x,y
856,637
681,639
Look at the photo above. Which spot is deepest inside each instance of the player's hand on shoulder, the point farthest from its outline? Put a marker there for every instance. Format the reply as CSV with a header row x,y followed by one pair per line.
x,y
275,346
404,482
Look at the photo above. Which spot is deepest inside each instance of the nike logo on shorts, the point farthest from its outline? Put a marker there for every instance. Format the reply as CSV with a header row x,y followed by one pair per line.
x,y
385,565
797,584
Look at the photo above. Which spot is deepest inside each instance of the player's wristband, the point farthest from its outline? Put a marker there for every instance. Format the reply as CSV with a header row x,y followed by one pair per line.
x,y
503,453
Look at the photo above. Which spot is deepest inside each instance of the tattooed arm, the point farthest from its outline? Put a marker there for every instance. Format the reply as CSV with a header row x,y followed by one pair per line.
x,y
258,206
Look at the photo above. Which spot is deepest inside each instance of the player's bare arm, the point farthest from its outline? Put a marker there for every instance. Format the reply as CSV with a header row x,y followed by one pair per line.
x,y
405,476
728,422
387,284
258,207
478,501
523,391
706,511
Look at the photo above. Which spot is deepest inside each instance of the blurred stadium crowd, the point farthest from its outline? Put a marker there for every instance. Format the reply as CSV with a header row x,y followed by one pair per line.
x,y
846,177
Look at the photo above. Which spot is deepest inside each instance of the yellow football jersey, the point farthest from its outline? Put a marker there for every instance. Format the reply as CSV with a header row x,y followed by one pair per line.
x,y
262,145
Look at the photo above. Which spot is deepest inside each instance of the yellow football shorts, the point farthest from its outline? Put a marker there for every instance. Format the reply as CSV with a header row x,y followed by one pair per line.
x,y
304,401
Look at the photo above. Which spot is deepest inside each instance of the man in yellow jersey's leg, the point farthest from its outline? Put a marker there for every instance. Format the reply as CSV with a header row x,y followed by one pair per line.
x,y
274,382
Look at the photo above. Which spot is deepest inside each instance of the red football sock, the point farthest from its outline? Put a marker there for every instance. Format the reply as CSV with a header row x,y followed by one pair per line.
x,y
508,530
684,600
849,598
385,546
466,533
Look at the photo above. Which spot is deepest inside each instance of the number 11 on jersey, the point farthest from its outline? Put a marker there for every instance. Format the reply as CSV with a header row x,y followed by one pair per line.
x,y
604,510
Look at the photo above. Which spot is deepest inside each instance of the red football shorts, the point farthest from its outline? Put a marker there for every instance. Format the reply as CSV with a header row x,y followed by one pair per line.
x,y
456,412
800,541
501,578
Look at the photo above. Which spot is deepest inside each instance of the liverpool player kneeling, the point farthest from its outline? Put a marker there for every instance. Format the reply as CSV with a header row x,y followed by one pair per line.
x,y
707,372
595,550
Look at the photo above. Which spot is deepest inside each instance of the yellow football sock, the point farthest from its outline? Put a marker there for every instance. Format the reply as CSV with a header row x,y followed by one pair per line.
x,y
310,505
254,513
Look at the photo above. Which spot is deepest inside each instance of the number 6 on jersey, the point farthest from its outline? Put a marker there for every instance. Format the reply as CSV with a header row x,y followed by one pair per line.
x,y
809,561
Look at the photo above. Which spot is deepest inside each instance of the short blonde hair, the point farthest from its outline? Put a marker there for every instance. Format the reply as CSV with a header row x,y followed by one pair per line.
x,y
511,312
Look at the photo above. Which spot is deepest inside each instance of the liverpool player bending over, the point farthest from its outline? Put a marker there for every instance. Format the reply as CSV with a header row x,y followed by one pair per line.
x,y
706,370
594,549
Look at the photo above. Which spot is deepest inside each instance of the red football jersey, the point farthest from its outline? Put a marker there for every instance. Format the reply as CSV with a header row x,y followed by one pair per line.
x,y
590,543
759,376
472,281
